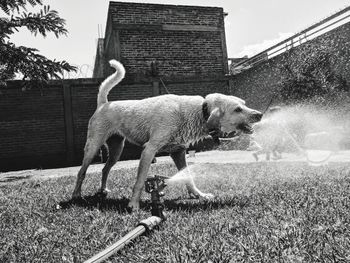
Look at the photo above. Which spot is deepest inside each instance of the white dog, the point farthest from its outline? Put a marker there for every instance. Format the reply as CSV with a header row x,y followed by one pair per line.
x,y
163,123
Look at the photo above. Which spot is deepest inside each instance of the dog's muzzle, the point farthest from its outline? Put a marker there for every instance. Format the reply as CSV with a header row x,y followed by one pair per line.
x,y
255,117
246,127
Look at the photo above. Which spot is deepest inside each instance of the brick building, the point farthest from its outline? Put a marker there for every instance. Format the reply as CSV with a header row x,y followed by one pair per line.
x,y
170,41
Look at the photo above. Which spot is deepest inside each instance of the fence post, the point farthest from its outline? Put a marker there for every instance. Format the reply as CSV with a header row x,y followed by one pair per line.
x,y
68,123
230,84
155,88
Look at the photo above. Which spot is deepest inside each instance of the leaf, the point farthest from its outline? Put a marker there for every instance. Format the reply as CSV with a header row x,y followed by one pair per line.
x,y
25,60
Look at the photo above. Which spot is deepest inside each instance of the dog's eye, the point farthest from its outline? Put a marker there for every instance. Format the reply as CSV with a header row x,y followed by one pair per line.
x,y
238,109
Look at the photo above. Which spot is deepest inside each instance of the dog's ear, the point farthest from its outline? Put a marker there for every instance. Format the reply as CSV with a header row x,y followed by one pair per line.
x,y
214,118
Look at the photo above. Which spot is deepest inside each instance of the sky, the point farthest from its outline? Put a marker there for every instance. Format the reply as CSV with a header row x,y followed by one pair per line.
x,y
251,25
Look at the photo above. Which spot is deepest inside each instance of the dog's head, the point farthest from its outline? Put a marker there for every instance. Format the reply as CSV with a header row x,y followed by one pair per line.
x,y
230,114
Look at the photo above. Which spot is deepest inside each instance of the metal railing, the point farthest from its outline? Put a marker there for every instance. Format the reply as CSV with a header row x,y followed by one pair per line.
x,y
340,18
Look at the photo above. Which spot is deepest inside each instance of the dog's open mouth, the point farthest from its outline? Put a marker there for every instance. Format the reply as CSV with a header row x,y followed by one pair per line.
x,y
245,127
228,135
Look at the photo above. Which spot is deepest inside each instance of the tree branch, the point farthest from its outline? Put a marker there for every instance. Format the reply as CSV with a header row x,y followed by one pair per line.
x,y
26,61
45,21
9,6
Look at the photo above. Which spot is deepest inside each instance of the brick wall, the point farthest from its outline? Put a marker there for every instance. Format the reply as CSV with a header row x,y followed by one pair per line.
x,y
198,53
32,126
201,88
183,41
155,14
47,128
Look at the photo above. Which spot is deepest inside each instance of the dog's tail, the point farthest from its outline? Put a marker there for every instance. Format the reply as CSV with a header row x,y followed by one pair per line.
x,y
110,82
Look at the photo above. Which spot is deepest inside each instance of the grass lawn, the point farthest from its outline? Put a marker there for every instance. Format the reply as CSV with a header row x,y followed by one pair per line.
x,y
263,212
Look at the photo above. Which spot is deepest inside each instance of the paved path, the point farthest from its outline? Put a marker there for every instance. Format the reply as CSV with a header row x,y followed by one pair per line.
x,y
202,157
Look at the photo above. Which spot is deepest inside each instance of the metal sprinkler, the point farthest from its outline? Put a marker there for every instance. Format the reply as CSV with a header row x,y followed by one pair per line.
x,y
154,186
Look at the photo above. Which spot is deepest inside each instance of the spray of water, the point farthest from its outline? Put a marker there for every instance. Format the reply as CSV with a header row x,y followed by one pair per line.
x,y
191,173
308,130
184,175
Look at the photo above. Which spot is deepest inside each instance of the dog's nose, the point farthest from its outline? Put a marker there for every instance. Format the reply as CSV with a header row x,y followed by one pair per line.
x,y
257,116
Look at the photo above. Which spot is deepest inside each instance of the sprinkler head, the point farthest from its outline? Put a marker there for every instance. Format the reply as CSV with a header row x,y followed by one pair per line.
x,y
156,183
154,186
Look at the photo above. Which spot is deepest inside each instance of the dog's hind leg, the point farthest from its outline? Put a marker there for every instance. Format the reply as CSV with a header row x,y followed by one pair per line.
x,y
179,158
115,147
93,143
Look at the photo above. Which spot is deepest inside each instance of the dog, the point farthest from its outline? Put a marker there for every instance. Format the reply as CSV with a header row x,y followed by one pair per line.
x,y
167,123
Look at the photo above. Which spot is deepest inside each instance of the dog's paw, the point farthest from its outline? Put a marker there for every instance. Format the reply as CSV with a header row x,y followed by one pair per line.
x,y
103,192
201,196
193,195
207,196
133,206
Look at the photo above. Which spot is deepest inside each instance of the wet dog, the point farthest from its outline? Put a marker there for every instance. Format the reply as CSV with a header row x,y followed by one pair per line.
x,y
167,123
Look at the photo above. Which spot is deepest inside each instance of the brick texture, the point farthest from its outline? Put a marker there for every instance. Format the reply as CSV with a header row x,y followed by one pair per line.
x,y
137,13
203,54
33,126
195,88
194,45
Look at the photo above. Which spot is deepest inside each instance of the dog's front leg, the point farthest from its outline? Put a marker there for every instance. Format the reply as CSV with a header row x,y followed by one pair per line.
x,y
179,158
145,161
193,191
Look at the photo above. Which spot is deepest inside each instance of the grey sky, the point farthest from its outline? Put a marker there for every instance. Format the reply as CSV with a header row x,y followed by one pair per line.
x,y
251,25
